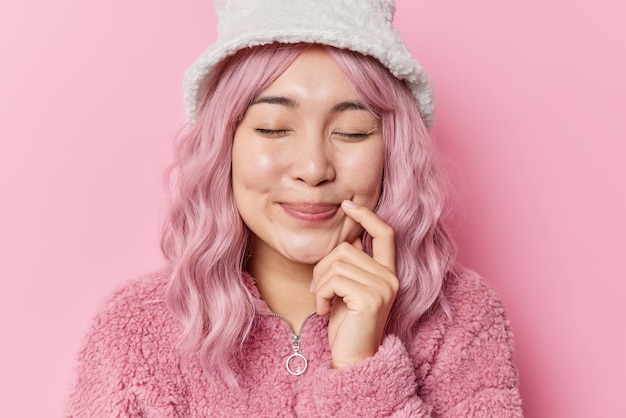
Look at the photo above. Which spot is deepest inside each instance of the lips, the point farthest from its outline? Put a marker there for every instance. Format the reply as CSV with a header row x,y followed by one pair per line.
x,y
311,212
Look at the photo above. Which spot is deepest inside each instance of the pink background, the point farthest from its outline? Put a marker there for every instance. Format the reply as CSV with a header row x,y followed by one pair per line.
x,y
531,99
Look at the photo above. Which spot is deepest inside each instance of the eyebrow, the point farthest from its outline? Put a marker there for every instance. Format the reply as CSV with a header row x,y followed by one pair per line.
x,y
353,105
291,103
277,100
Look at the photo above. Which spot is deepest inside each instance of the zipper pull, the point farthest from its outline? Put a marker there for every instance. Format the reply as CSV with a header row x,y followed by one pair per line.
x,y
296,363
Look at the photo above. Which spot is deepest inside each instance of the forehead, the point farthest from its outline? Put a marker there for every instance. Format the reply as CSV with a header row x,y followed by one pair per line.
x,y
313,75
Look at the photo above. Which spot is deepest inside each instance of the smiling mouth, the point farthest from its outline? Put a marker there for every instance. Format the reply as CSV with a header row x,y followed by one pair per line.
x,y
311,212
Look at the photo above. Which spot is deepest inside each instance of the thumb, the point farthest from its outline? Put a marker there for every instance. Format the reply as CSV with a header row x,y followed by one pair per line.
x,y
357,243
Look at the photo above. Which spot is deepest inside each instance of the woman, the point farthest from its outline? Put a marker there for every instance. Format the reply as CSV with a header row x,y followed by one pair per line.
x,y
309,272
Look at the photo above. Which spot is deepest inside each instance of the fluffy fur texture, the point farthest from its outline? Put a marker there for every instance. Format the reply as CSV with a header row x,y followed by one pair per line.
x,y
456,368
205,239
363,26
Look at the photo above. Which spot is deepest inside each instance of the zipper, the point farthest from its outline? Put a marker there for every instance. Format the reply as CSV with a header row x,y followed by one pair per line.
x,y
296,363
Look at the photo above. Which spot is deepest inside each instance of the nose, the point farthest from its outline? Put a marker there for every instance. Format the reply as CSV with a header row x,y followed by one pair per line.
x,y
313,162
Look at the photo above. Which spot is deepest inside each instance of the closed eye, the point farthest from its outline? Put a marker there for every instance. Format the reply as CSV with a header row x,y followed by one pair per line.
x,y
272,132
355,135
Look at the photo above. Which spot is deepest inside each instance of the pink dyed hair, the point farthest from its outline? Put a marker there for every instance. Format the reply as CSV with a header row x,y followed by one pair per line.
x,y
205,240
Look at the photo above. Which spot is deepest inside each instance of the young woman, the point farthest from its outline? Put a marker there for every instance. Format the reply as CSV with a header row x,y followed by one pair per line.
x,y
309,271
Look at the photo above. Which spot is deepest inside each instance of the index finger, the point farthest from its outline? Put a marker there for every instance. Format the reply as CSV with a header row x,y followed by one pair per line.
x,y
383,242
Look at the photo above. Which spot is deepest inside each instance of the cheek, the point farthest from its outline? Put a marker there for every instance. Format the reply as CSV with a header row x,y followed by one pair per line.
x,y
365,174
252,167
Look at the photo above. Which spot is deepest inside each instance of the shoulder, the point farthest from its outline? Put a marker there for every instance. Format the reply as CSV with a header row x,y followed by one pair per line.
x,y
466,300
133,317
131,343
470,307
470,297
470,319
464,359
140,299
138,293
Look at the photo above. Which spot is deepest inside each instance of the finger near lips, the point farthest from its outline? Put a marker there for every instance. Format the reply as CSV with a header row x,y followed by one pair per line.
x,y
347,262
357,289
383,244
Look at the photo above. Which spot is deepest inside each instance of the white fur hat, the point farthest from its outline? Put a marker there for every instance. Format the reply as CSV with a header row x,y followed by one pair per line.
x,y
363,26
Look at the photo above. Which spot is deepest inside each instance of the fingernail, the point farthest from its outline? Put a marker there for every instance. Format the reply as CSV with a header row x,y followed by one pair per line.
x,y
311,287
349,204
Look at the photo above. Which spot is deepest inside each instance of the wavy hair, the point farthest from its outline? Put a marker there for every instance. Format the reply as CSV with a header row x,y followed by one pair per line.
x,y
205,240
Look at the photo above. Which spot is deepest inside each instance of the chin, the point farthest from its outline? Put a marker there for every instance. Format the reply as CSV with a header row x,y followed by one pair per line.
x,y
308,255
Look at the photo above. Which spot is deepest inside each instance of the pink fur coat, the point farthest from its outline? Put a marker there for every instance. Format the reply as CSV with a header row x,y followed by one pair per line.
x,y
459,367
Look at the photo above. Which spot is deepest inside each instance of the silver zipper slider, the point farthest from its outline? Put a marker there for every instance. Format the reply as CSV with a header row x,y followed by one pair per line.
x,y
296,363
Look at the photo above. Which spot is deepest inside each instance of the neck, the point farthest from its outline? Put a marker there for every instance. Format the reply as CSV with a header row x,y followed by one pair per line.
x,y
284,286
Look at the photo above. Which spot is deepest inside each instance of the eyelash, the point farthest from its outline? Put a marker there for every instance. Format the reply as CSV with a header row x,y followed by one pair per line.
x,y
272,132
353,136
279,132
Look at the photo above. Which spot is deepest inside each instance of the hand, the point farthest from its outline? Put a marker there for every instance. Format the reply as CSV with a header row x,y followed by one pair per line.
x,y
357,290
